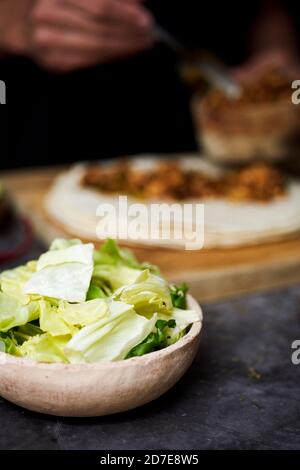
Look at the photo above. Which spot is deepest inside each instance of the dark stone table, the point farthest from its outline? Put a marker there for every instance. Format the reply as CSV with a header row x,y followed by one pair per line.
x,y
242,391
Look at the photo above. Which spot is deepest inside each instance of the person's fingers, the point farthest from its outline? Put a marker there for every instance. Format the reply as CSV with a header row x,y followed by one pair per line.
x,y
65,60
61,17
48,38
66,38
131,13
67,19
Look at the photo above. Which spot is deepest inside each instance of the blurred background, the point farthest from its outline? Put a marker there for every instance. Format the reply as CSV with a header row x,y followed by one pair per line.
x,y
127,103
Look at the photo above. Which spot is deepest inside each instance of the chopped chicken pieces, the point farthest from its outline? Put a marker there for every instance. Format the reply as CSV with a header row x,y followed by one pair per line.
x,y
169,181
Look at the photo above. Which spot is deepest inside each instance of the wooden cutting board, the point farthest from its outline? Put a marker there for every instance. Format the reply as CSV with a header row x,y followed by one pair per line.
x,y
211,274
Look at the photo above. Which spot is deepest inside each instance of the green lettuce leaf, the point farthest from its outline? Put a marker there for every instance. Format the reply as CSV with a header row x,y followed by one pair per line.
x,y
155,341
45,348
114,277
9,344
110,338
52,321
178,295
79,253
13,313
13,281
25,332
148,294
83,314
115,267
77,304
63,273
183,319
111,253
96,292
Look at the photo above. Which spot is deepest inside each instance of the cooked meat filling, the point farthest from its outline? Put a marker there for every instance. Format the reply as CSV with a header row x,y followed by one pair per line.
x,y
270,87
169,181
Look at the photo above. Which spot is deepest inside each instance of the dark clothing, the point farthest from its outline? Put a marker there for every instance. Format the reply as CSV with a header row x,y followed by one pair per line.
x,y
131,106
125,107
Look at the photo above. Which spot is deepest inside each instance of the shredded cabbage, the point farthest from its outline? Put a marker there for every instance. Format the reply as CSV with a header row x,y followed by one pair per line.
x,y
78,304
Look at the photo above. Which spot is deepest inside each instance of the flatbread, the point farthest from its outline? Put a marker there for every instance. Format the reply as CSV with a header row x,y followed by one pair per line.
x,y
227,224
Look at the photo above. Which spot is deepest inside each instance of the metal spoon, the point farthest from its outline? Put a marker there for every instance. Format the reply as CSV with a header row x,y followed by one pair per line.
x,y
214,72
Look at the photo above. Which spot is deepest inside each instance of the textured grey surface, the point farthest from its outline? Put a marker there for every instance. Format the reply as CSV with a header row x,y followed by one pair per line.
x,y
242,391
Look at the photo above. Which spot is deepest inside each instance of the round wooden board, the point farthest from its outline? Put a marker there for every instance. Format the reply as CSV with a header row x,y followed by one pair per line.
x,y
211,274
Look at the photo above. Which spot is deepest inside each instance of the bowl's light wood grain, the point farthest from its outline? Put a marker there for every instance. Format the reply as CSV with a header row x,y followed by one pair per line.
x,y
97,389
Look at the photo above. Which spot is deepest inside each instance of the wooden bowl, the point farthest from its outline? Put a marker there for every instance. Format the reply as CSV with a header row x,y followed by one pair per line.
x,y
97,389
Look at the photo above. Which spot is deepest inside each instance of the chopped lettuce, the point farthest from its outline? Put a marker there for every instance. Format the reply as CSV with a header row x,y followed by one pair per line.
x,y
156,340
183,319
63,273
68,281
114,277
148,294
51,320
13,313
83,314
82,254
110,253
9,344
112,337
67,318
96,292
45,348
25,332
178,295
115,268
13,281
77,304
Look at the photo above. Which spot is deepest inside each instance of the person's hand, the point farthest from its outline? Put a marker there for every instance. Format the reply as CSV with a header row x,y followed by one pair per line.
x,y
65,35
271,59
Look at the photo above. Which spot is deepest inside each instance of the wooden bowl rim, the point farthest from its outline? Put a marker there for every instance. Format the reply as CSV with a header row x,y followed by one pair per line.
x,y
195,331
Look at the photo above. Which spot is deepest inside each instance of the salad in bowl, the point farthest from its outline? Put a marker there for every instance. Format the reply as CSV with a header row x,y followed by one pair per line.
x,y
77,304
